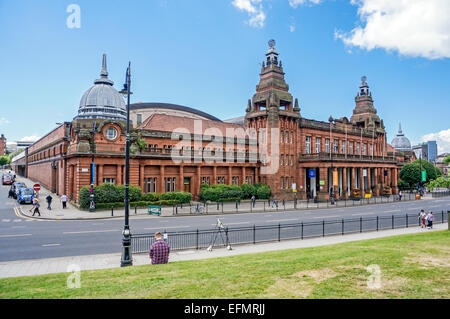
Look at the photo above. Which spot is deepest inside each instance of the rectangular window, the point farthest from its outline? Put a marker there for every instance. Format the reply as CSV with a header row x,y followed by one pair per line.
x,y
344,147
317,145
281,182
371,149
336,146
150,188
308,145
168,184
286,134
109,180
287,182
281,137
358,149
174,186
292,137
327,145
281,160
364,149
292,160
350,148
139,119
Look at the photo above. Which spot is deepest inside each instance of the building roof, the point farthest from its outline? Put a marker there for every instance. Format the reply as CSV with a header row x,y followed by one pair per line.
x,y
401,142
102,100
169,123
169,106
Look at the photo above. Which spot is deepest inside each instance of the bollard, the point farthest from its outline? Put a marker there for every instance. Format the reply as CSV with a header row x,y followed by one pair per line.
x,y
112,211
217,205
135,209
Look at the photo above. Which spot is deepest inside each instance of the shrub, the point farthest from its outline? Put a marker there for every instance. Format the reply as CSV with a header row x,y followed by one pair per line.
x,y
262,191
248,191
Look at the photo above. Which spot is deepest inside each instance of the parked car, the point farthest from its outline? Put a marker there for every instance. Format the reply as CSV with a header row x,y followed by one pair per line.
x,y
16,186
7,179
25,195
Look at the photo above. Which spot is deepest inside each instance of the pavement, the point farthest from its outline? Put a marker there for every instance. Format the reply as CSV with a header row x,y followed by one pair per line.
x,y
74,213
104,261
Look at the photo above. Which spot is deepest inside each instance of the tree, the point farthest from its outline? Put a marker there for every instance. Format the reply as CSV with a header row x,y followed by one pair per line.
x,y
4,160
410,173
446,159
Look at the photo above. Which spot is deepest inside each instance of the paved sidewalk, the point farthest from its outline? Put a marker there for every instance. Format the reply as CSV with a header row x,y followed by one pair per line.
x,y
68,264
74,213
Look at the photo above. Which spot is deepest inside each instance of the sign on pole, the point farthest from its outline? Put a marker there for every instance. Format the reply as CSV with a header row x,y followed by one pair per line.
x,y
335,178
37,187
424,176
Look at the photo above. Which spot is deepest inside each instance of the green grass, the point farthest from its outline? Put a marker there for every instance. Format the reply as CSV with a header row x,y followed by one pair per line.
x,y
412,266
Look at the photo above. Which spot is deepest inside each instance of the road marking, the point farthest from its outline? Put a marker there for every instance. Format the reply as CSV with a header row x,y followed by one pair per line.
x,y
17,235
91,231
282,220
6,220
51,245
167,227
17,220
324,217
392,211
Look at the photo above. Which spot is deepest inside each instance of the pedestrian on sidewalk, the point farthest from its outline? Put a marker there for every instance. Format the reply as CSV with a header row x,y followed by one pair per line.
x,y
430,218
422,216
11,193
36,206
274,203
49,201
159,251
64,200
400,195
253,200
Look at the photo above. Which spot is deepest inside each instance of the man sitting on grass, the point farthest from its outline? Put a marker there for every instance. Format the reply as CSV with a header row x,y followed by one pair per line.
x,y
159,251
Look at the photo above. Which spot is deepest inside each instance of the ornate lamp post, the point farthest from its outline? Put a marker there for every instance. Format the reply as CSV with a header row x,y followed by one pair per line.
x,y
127,259
331,162
92,202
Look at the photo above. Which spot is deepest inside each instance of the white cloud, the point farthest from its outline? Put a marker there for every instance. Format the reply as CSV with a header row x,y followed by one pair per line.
x,y
292,28
254,9
4,121
295,3
442,139
417,28
32,138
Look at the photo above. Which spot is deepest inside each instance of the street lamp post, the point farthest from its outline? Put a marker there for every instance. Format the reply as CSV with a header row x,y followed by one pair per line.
x,y
127,259
92,202
331,162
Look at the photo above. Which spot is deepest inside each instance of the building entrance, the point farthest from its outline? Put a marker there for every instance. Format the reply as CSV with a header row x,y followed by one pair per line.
x,y
187,184
312,185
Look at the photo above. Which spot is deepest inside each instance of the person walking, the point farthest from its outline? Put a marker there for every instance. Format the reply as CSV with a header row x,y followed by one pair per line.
x,y
430,218
64,200
36,206
11,192
274,203
159,251
421,217
253,200
49,201
400,195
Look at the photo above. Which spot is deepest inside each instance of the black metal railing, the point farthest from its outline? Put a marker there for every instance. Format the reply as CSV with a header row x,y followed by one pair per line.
x,y
282,205
438,194
201,239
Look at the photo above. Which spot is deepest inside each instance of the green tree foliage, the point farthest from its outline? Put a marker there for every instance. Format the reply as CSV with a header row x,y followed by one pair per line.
x,y
4,160
446,159
221,192
440,182
410,173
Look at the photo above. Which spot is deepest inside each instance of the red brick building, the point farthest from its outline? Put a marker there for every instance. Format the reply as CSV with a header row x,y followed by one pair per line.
x,y
179,148
2,145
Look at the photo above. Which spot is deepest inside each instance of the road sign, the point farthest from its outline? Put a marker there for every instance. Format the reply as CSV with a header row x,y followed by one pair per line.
x,y
37,187
311,173
335,178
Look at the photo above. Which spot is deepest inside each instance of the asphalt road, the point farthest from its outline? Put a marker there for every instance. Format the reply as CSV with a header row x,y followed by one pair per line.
x,y
23,238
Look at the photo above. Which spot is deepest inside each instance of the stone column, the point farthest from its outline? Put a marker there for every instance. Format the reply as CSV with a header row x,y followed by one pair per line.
x,y
70,181
119,174
162,176
180,184
344,182
353,186
361,181
229,175
141,177
369,180
301,187
100,174
324,193
197,185
214,181
243,175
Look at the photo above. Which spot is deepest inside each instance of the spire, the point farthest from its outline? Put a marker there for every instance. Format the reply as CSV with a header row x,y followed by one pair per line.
x,y
296,107
104,74
364,87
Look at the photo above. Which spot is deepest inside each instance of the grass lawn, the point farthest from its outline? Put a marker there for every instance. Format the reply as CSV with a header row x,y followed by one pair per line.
x,y
411,266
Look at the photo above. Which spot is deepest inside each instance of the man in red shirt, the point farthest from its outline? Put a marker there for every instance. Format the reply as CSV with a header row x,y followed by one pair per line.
x,y
159,251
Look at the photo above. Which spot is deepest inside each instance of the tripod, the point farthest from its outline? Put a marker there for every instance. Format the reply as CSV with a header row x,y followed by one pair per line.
x,y
220,229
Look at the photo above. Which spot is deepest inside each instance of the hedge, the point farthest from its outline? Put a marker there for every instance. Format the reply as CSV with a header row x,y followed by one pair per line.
x,y
139,204
115,195
222,192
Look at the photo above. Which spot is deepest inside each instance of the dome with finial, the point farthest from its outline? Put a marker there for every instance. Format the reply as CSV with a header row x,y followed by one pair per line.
x,y
102,100
401,142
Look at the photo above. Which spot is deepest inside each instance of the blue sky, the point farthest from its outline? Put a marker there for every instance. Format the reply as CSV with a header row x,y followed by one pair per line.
x,y
206,54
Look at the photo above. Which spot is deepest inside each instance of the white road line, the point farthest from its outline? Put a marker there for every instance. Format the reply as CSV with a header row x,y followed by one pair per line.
x,y
167,227
17,220
324,217
51,245
6,220
281,220
17,235
393,211
91,231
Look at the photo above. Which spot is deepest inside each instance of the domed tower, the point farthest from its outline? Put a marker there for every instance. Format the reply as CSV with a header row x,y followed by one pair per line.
x,y
102,100
401,142
274,115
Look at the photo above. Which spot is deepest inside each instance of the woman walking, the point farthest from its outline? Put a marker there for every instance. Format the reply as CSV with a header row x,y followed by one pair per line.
x,y
430,218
